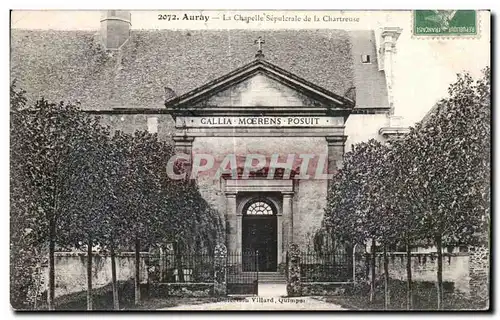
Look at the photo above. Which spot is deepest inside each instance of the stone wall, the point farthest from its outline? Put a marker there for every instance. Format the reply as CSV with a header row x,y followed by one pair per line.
x,y
456,268
424,268
309,202
71,271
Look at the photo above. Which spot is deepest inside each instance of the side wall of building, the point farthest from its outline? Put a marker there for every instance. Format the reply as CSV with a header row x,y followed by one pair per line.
x,y
162,124
363,127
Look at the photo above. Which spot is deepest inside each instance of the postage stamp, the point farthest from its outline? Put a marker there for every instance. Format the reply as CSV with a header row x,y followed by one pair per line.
x,y
249,160
445,23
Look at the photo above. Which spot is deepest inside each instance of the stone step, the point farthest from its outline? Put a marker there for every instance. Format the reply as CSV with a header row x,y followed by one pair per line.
x,y
264,277
267,273
272,281
278,276
271,277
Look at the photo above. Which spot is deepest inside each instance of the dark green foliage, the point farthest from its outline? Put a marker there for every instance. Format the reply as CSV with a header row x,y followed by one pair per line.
x,y
24,249
430,188
433,182
43,137
75,185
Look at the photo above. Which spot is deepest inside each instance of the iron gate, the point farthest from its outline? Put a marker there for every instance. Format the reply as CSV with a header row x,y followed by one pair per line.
x,y
242,273
326,267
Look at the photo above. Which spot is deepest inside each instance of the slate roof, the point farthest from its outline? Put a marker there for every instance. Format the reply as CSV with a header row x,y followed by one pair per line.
x,y
73,66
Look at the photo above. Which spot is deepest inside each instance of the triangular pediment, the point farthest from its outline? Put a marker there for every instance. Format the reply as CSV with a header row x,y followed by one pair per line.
x,y
259,85
259,90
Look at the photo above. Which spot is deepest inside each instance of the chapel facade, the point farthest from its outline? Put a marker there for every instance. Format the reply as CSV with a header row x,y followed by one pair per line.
x,y
288,96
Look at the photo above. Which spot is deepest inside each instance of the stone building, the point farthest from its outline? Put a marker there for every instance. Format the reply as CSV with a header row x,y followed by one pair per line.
x,y
223,92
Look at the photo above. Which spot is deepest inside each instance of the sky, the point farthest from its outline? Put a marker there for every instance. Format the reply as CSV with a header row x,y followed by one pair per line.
x,y
423,68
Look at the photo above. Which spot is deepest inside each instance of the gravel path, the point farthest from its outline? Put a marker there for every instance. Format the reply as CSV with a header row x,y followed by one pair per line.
x,y
263,303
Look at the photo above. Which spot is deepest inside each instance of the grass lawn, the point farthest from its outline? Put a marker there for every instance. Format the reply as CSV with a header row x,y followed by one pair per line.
x,y
160,303
103,300
424,298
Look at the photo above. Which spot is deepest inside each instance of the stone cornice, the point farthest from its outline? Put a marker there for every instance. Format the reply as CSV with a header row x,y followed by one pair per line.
x,y
260,185
235,111
390,132
336,140
262,132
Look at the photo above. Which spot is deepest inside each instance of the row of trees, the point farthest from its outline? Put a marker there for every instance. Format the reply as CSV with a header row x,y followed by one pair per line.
x,y
431,187
74,184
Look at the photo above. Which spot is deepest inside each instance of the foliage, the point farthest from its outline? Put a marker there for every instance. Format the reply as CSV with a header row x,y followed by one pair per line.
x,y
431,187
357,207
434,181
88,191
157,209
42,138
453,164
24,247
76,183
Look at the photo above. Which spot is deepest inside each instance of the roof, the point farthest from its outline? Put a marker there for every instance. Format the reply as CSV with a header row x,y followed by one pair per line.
x,y
430,113
73,66
197,99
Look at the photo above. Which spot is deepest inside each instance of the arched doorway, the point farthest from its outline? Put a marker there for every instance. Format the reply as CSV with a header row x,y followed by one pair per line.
x,y
259,228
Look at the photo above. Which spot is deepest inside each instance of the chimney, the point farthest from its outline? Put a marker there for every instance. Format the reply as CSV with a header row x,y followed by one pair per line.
x,y
388,38
115,28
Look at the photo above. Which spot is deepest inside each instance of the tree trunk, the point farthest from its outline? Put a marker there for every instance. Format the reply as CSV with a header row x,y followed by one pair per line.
x,y
52,274
116,302
52,248
409,285
137,280
367,265
440,291
387,293
89,274
372,267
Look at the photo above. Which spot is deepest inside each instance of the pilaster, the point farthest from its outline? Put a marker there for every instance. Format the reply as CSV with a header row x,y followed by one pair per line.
x,y
336,145
183,144
232,224
287,218
389,36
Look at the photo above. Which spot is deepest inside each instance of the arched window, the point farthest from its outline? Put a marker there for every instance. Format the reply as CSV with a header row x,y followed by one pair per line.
x,y
259,208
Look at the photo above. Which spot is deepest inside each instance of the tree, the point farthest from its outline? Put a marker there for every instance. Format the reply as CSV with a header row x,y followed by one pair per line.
x,y
114,224
88,193
404,199
356,211
74,185
390,221
25,241
453,166
143,160
40,155
147,208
